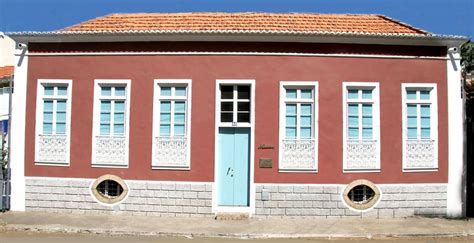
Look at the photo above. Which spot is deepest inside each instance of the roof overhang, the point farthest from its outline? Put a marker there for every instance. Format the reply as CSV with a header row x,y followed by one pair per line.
x,y
237,36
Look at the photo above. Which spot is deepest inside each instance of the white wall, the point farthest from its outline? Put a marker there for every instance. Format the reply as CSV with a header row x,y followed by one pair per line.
x,y
456,182
17,156
7,48
4,101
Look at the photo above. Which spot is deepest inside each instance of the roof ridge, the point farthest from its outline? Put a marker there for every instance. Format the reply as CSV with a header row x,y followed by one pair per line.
x,y
404,24
236,13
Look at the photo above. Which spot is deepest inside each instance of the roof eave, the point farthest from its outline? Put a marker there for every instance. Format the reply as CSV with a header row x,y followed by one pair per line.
x,y
238,36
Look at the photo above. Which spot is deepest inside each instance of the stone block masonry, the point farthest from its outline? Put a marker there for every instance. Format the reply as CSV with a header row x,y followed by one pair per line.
x,y
195,199
397,200
144,198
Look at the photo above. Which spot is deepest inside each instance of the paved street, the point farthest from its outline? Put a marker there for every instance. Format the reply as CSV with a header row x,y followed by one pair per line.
x,y
57,227
17,237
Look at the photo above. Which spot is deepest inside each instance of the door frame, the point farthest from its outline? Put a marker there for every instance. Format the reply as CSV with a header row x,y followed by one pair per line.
x,y
215,200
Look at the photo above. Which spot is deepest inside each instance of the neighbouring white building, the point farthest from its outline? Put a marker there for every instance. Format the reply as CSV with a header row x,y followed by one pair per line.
x,y
7,47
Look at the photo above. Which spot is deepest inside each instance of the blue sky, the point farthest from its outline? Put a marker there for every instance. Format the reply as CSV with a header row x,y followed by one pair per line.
x,y
454,17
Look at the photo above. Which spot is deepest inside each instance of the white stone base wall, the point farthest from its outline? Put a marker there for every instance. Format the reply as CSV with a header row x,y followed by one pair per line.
x,y
327,201
144,198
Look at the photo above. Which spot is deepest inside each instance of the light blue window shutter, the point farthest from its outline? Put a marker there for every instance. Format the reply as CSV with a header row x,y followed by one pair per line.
x,y
105,109
412,121
367,133
353,132
353,110
119,129
179,106
179,118
49,90
165,118
61,117
305,121
367,110
291,93
367,119
353,121
306,94
48,117
305,132
62,90
426,133
179,130
119,91
353,94
180,91
366,94
411,94
119,124
165,91
47,128
425,111
106,91
290,121
119,114
424,94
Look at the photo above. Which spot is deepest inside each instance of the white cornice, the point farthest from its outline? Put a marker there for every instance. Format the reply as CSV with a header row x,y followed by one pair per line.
x,y
238,36
200,53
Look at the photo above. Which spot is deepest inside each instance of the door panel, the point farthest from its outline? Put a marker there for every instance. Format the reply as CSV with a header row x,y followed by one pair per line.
x,y
234,166
226,155
241,166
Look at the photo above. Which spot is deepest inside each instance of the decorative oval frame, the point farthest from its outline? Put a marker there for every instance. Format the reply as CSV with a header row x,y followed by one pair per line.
x,y
361,207
109,201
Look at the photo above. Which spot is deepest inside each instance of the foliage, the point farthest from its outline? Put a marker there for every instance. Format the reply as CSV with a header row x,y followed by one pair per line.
x,y
467,65
467,54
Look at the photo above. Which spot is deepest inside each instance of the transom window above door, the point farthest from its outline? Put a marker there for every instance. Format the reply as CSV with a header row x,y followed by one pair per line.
x,y
235,104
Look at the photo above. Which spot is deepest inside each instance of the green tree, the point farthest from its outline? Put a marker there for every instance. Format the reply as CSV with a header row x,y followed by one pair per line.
x,y
467,65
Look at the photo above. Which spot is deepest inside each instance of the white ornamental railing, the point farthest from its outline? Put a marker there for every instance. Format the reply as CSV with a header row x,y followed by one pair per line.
x,y
52,148
170,152
298,154
420,154
361,155
110,150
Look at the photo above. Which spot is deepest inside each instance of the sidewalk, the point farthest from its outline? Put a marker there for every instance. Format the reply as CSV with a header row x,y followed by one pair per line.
x,y
248,228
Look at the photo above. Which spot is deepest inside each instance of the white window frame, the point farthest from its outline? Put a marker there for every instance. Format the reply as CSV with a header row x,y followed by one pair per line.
x,y
433,119
376,122
156,118
96,118
282,121
39,118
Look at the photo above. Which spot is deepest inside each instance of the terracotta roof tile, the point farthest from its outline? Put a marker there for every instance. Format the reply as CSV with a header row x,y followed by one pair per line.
x,y
6,71
258,22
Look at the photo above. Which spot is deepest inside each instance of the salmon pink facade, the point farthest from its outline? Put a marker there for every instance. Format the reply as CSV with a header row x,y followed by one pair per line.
x,y
356,125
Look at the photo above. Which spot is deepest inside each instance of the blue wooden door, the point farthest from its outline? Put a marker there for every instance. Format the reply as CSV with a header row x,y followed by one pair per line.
x,y
234,166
